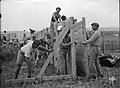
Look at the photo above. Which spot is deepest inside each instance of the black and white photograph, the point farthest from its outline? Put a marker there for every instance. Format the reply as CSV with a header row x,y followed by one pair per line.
x,y
59,44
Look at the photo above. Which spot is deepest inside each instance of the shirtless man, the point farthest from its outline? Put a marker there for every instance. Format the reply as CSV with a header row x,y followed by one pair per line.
x,y
56,17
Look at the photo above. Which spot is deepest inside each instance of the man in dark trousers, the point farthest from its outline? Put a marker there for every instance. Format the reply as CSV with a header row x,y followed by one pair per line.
x,y
25,53
64,60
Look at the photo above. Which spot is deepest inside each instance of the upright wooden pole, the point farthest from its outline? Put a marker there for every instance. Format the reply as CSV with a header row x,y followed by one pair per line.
x,y
86,48
72,47
84,28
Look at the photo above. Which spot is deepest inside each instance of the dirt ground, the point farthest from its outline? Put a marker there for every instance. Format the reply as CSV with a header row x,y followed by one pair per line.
x,y
9,68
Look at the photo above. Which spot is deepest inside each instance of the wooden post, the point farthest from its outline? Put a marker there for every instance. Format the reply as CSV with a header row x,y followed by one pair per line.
x,y
86,49
72,47
84,28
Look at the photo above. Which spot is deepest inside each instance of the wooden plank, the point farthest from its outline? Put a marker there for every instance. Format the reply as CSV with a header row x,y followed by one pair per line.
x,y
61,37
78,34
72,48
56,46
46,64
77,28
57,77
57,52
84,28
44,78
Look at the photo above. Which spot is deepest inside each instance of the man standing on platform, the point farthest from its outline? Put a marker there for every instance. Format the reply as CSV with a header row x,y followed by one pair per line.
x,y
56,17
93,62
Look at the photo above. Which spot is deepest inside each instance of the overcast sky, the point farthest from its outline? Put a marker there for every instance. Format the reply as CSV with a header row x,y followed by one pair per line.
x,y
36,14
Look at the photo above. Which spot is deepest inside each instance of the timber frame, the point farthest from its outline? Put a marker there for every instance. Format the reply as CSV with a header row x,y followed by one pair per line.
x,y
70,26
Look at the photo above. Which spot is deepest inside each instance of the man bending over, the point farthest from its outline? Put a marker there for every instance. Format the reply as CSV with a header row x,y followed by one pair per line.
x,y
24,55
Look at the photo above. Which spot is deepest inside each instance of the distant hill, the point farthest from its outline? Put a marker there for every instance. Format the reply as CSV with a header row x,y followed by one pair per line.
x,y
102,28
107,29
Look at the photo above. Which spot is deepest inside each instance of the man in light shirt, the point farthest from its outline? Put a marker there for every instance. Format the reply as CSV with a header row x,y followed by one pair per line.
x,y
94,42
24,55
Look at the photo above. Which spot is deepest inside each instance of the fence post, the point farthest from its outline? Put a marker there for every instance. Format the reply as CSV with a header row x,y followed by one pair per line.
x,y
86,49
72,47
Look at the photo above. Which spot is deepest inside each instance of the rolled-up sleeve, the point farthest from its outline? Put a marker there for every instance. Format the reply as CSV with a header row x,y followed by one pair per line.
x,y
92,39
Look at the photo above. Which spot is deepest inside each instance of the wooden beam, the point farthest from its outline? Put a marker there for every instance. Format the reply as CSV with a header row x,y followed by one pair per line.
x,y
44,78
56,46
85,38
61,37
72,47
46,64
84,28
57,77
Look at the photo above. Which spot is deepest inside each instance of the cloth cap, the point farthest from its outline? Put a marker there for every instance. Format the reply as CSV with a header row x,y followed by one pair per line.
x,y
58,8
96,24
32,31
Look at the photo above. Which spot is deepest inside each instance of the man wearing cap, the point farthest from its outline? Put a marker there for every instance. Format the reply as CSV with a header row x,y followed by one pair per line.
x,y
32,36
32,32
25,53
94,42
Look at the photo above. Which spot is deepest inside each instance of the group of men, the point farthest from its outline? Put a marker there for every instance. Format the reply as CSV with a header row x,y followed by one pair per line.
x,y
26,51
93,42
24,54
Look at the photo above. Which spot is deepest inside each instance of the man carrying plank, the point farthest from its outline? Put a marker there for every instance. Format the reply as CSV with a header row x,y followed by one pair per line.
x,y
93,62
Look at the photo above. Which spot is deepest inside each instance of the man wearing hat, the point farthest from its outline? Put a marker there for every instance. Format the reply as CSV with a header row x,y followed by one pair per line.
x,y
32,32
94,42
31,37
